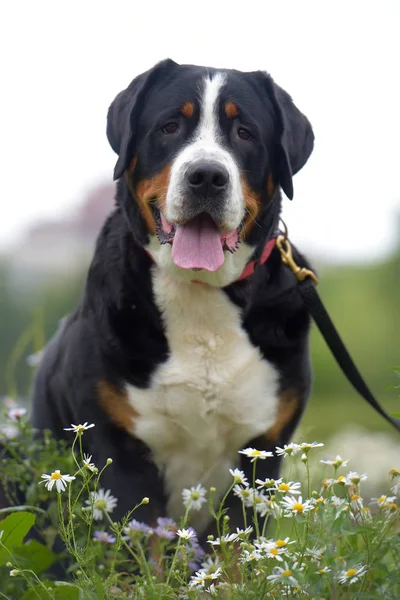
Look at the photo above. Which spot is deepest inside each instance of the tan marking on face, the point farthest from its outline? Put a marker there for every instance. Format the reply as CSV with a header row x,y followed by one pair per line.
x,y
231,110
187,110
252,202
114,402
289,404
147,190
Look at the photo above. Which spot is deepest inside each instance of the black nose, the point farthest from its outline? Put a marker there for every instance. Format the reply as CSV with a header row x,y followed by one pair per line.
x,y
207,178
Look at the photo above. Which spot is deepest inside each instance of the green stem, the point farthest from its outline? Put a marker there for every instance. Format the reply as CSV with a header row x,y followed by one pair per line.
x,y
255,518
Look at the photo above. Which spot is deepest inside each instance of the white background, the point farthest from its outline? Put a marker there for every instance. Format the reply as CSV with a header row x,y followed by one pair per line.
x,y
62,63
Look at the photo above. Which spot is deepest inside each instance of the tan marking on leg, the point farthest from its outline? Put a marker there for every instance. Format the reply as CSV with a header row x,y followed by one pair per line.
x,y
270,186
115,403
187,110
231,110
289,403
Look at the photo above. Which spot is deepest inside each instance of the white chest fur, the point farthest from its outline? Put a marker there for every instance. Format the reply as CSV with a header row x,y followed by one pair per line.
x,y
209,399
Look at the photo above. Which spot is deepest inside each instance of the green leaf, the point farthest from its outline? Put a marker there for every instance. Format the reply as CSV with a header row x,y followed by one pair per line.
x,y
34,555
396,415
66,591
38,593
62,591
14,528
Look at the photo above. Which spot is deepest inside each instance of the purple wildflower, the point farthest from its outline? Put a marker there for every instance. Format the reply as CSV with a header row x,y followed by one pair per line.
x,y
103,536
138,527
166,528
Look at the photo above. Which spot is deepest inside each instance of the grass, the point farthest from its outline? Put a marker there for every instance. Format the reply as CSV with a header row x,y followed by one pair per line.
x,y
301,537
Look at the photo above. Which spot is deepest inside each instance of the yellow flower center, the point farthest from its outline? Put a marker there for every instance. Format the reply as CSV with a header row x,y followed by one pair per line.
x,y
355,497
280,543
351,572
284,487
382,499
394,472
391,506
274,551
195,495
341,479
286,573
100,504
299,507
256,453
55,476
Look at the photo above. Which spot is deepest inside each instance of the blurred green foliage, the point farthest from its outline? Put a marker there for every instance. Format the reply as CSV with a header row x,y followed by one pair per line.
x,y
363,302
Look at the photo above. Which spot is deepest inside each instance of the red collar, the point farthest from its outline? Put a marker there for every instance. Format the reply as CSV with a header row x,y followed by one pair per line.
x,y
252,265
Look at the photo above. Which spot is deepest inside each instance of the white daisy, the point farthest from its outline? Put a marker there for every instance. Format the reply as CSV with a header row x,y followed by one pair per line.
x,y
224,539
185,534
79,428
296,506
195,497
202,577
356,502
210,564
352,575
282,575
322,571
242,492
336,501
256,454
238,476
101,501
59,480
273,507
354,478
394,473
268,484
315,554
287,450
89,465
382,501
249,556
241,533
336,463
306,447
341,480
396,488
273,552
290,487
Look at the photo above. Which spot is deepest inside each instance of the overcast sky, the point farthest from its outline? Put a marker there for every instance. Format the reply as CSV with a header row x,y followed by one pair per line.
x,y
62,63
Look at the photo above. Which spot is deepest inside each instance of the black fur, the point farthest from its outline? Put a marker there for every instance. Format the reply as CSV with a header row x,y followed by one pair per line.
x,y
116,334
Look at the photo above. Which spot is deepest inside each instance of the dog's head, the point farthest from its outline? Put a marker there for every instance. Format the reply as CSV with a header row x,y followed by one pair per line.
x,y
203,152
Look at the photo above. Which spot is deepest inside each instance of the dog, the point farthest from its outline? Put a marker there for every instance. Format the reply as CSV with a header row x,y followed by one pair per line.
x,y
190,341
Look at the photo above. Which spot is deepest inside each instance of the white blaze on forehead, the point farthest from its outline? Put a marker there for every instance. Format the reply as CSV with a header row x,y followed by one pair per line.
x,y
206,144
209,127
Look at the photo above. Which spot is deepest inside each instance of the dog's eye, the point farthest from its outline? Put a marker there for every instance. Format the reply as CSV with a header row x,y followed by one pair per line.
x,y
244,134
170,128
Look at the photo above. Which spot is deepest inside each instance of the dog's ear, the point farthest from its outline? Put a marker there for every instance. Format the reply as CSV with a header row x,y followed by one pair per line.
x,y
296,137
123,113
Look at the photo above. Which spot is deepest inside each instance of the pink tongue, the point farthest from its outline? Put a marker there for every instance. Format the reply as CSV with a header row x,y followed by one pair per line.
x,y
197,245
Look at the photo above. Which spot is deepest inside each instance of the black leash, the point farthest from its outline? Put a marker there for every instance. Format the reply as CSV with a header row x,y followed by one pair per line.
x,y
307,281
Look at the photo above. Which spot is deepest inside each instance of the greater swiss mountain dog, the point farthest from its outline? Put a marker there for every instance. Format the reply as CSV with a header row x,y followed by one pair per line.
x,y
185,346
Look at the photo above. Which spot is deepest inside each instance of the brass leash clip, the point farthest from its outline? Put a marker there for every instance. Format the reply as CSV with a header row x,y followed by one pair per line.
x,y
285,249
